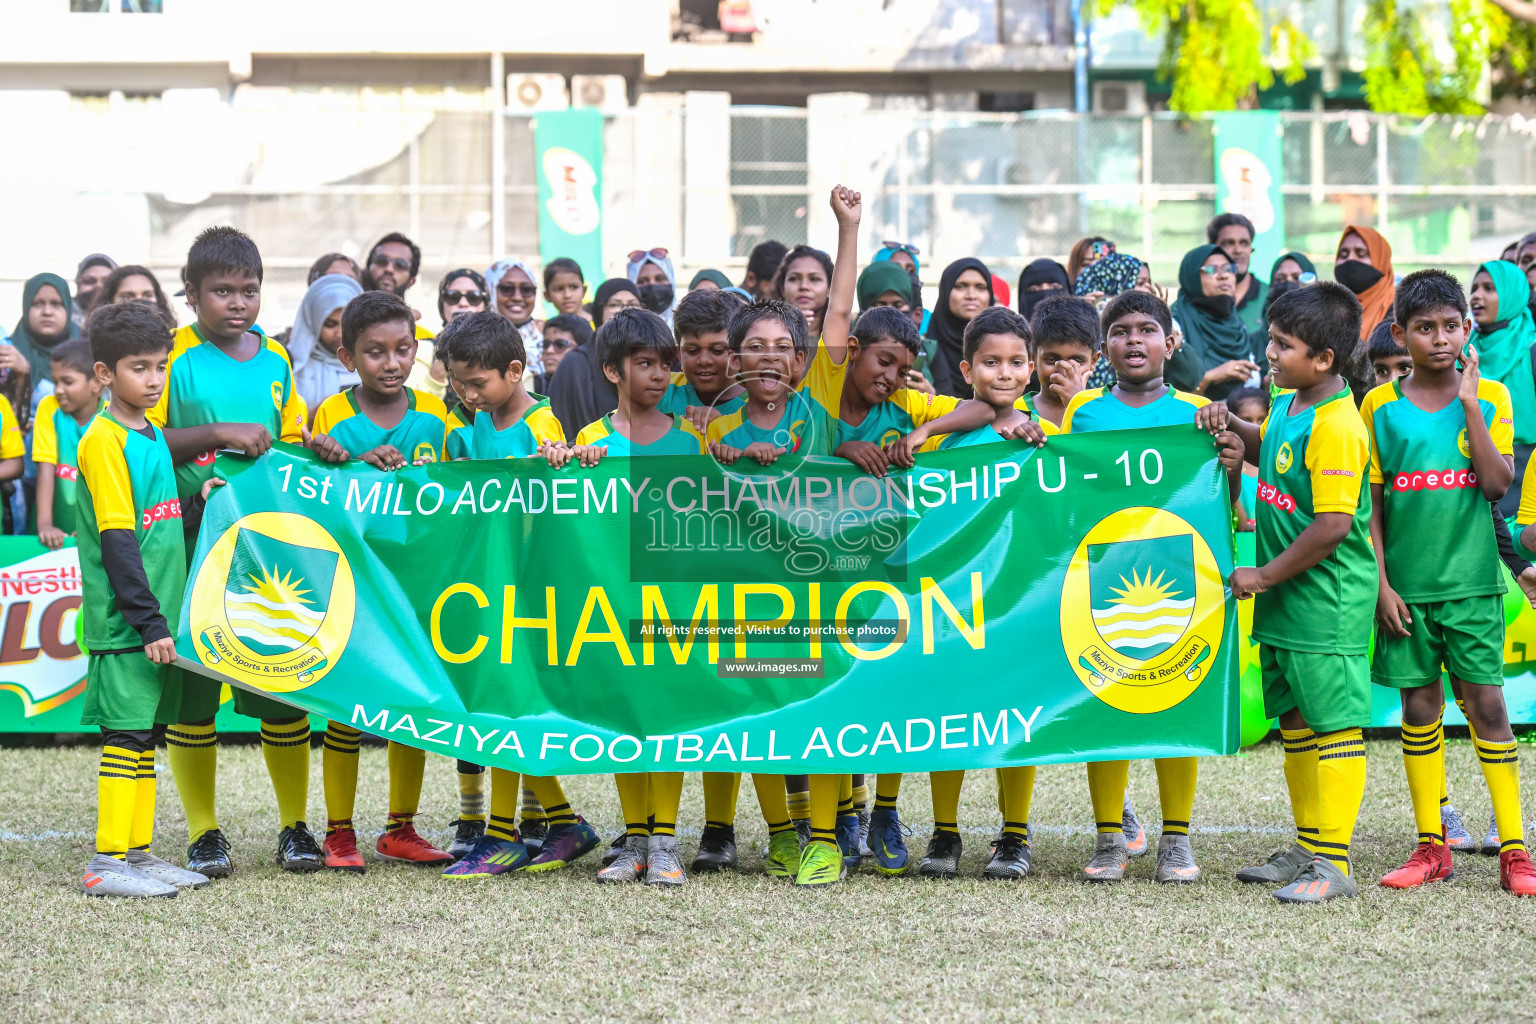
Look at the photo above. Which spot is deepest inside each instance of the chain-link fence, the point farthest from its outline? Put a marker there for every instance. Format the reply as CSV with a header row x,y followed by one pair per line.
x,y
306,176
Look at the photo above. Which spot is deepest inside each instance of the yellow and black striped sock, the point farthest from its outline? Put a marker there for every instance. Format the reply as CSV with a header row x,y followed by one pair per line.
x,y
193,752
634,801
338,772
860,792
1176,778
1301,782
471,791
799,804
551,796
143,830
533,811
505,794
1424,764
1445,793
824,793
117,785
407,765
887,790
1501,769
1017,788
945,788
1106,790
773,802
721,791
285,748
666,793
1340,790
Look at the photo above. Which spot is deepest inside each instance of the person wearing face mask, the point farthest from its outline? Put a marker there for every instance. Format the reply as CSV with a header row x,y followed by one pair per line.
x,y
1038,282
1364,266
317,370
652,272
1291,271
965,289
1218,354
579,392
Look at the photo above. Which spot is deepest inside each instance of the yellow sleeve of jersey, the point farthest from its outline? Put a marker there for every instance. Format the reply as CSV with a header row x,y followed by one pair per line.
x,y
331,412
1527,512
45,438
1502,429
1198,401
433,406
922,407
692,431
722,425
422,334
823,383
1338,454
544,426
183,339
105,473
1079,400
12,444
1375,399
295,413
592,433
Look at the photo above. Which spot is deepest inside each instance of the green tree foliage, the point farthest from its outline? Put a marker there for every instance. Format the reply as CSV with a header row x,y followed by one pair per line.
x,y
1404,73
1514,62
1219,53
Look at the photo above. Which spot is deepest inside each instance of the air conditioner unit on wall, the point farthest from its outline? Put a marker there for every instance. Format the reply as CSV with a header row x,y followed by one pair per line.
x,y
608,93
527,93
1127,97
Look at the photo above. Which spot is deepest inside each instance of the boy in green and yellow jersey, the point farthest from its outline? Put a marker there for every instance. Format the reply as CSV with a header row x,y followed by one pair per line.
x,y
485,362
230,386
1316,584
1138,339
1064,348
1441,450
133,568
61,421
636,351
387,424
703,389
995,362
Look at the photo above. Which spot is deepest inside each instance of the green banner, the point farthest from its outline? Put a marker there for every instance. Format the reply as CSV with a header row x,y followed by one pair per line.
x,y
568,158
995,605
1249,176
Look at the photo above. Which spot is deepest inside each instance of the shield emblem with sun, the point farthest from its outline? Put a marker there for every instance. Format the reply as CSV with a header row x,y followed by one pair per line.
x,y
1143,593
276,594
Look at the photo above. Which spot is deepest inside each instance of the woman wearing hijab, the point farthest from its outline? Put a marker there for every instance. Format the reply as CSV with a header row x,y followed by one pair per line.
x,y
1099,282
902,254
47,318
1364,266
1503,333
652,272
316,335
885,284
579,392
1218,353
965,289
511,285
1038,282
710,278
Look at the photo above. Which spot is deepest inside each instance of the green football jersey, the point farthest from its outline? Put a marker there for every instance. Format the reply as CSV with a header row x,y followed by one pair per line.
x,y
983,434
418,436
56,440
481,439
680,395
1100,409
126,482
1437,530
1316,461
203,385
682,439
897,416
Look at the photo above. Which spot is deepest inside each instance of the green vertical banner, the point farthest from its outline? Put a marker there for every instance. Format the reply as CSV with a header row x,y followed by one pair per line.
x,y
1249,173
568,150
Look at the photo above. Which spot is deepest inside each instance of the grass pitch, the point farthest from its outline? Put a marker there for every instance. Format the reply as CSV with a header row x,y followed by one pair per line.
x,y
402,944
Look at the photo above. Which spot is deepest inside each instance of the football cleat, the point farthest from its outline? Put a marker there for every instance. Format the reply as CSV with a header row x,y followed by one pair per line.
x,y
1516,873
466,833
1490,844
783,859
208,855
341,852
1282,868
943,857
887,842
1456,835
1110,858
146,863
1010,860
663,864
1430,862
564,845
717,849
1320,882
820,864
1175,860
297,849
614,848
406,845
1136,844
534,831
631,863
488,858
847,833
108,876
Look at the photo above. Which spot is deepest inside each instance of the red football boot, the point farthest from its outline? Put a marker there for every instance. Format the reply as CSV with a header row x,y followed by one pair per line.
x,y
1431,862
1516,873
341,851
403,844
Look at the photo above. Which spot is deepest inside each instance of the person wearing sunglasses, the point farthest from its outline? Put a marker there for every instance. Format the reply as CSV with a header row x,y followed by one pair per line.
x,y
903,254
393,263
1218,353
516,296
653,274
461,293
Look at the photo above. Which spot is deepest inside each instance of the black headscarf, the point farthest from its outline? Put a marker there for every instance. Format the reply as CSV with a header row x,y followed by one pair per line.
x,y
607,290
579,393
1041,272
948,330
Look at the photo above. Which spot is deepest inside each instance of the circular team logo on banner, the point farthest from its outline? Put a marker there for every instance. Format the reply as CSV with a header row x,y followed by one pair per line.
x,y
1283,457
1142,610
273,602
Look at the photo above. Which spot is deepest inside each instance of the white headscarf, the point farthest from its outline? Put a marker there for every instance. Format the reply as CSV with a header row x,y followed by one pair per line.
x,y
632,271
533,335
316,371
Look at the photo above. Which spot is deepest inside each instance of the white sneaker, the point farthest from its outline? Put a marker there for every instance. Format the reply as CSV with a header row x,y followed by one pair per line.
x,y
108,876
164,871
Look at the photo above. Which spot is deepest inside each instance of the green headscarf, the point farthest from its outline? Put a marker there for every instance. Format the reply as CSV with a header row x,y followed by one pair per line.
x,y
37,350
1300,260
710,274
882,277
1504,352
1213,332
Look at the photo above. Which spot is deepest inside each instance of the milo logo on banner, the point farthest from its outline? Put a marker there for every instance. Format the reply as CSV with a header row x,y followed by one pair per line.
x,y
273,602
1142,610
40,661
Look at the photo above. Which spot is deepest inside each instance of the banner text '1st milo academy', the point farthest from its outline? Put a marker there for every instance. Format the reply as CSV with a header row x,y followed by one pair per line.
x,y
994,605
